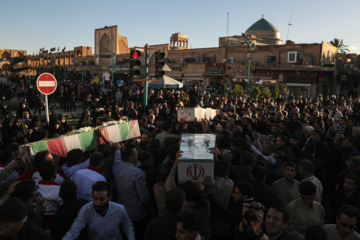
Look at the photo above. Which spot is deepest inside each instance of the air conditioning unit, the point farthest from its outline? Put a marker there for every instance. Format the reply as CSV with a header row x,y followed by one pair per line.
x,y
294,57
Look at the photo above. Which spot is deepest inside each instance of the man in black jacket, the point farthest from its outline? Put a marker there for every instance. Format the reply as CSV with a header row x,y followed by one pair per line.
x,y
15,225
66,214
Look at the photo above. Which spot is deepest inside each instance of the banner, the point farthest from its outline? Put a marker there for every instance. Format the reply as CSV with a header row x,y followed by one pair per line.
x,y
189,114
87,140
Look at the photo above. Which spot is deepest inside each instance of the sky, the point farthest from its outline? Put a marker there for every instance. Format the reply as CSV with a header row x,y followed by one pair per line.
x,y
31,25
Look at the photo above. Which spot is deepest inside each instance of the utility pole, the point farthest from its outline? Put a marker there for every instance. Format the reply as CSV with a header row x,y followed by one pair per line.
x,y
146,72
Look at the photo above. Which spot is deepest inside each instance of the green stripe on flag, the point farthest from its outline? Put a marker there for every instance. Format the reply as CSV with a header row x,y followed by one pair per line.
x,y
38,147
87,141
125,131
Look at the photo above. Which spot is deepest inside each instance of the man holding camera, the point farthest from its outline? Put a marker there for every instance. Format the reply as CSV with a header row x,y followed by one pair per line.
x,y
253,227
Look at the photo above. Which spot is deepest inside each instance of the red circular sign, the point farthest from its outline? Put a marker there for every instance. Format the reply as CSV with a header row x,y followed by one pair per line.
x,y
46,83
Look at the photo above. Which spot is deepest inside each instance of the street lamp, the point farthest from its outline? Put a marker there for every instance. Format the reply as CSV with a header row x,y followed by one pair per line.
x,y
249,45
112,65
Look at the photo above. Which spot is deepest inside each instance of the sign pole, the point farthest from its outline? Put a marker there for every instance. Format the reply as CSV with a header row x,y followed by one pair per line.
x,y
47,109
46,84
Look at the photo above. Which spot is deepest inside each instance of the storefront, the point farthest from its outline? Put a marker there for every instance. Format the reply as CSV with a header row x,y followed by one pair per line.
x,y
301,83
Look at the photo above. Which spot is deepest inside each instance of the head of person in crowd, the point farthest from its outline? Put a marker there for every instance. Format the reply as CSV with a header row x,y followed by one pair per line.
x,y
282,125
97,160
74,157
246,158
309,149
281,141
26,191
318,124
130,105
229,126
326,112
237,145
307,130
187,226
68,191
237,131
218,130
351,123
262,138
307,191
224,142
101,196
315,232
305,168
174,200
242,192
295,116
293,140
43,156
130,153
13,215
290,171
351,183
276,220
347,142
335,106
338,139
343,120
145,138
146,159
47,171
251,126
274,129
355,131
13,150
104,149
221,169
268,148
346,220
257,173
353,165
278,157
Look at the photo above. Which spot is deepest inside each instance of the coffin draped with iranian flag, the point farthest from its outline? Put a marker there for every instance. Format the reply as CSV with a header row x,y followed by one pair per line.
x,y
88,140
196,161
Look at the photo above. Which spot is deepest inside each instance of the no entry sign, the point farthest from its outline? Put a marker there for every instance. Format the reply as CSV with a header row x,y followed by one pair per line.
x,y
46,83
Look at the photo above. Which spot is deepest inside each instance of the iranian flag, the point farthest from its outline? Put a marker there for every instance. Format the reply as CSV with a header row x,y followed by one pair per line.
x,y
87,141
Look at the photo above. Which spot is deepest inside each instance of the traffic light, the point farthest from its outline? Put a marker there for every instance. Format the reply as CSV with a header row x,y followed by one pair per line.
x,y
159,64
135,63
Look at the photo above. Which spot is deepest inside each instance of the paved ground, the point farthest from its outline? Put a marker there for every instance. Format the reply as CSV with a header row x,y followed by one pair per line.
x,y
72,116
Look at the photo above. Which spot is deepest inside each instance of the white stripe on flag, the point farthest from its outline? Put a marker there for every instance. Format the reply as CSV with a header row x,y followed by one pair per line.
x,y
72,142
114,133
46,84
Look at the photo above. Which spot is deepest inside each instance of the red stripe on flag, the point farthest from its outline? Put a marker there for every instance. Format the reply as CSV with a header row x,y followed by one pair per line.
x,y
57,146
98,139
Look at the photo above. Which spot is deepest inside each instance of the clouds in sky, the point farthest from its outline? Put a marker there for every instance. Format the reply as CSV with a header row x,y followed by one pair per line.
x,y
354,49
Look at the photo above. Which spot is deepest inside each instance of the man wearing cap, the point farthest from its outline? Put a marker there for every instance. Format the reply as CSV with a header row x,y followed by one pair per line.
x,y
15,225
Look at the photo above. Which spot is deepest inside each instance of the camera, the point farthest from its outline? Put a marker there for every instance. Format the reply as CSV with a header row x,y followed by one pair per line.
x,y
253,209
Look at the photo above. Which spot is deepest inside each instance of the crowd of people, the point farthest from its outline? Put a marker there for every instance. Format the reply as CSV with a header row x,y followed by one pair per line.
x,y
285,168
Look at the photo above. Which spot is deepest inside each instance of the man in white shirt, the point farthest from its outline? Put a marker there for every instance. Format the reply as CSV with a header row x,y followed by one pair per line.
x,y
102,217
85,178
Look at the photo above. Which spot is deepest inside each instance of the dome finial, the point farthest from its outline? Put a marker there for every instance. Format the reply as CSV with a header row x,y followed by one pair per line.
x,y
263,16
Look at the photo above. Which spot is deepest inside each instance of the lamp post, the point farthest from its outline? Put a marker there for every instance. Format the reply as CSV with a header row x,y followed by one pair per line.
x,y
112,66
249,45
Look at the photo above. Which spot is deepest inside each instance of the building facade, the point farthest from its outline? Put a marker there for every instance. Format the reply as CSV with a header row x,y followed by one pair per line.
x,y
306,69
